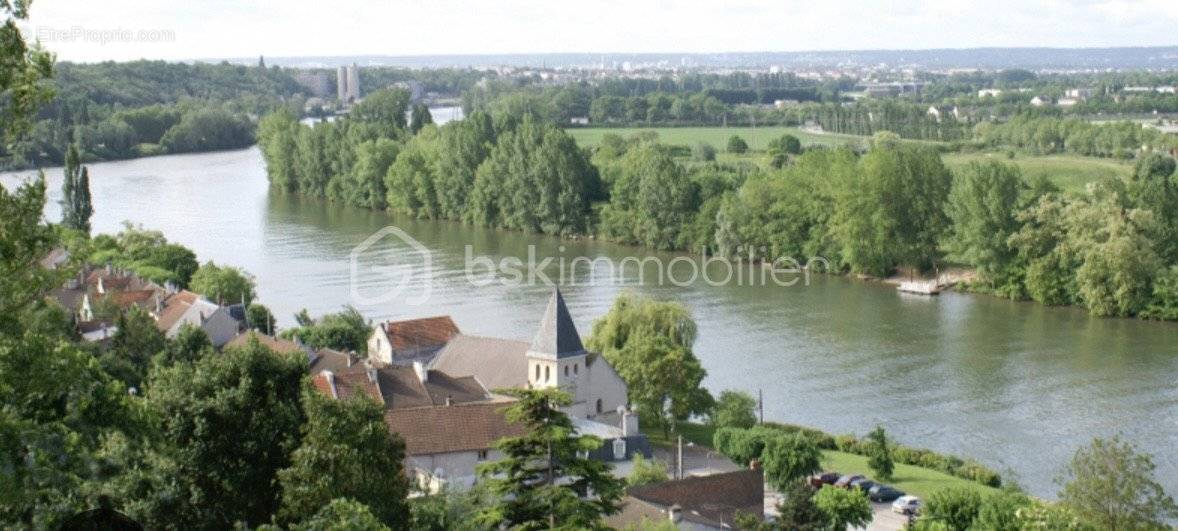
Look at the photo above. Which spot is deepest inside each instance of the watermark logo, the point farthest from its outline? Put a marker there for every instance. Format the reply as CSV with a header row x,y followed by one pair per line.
x,y
103,36
412,266
391,266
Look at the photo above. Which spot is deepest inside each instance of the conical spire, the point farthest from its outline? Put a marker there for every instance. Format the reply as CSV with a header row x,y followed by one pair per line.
x,y
557,337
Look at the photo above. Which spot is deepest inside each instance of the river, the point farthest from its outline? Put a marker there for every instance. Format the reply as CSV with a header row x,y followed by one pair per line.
x,y
1018,386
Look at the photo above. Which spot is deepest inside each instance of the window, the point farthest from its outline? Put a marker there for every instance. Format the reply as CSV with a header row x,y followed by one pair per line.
x,y
619,449
566,371
547,375
537,372
482,455
574,368
599,406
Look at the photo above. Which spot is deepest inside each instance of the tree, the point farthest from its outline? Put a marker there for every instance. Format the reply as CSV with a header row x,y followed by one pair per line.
x,y
342,515
1001,510
788,458
879,457
703,152
646,472
982,206
347,452
737,145
190,344
227,425
649,343
786,144
734,409
1118,262
260,318
843,507
420,118
1112,485
543,481
955,507
223,284
22,72
344,331
652,201
75,194
137,341
797,510
25,240
1153,186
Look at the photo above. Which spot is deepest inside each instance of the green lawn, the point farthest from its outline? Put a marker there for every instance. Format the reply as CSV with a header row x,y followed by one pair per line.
x,y
1069,172
757,138
910,479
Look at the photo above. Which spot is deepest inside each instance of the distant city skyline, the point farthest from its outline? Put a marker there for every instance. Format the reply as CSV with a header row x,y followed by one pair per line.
x,y
132,29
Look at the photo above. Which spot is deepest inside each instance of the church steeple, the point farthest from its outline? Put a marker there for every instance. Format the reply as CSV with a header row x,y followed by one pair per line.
x,y
557,337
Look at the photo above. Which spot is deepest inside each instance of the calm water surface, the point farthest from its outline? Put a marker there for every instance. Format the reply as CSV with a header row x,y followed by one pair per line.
x,y
1017,386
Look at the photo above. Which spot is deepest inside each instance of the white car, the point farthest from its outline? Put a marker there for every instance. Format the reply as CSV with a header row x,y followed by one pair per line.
x,y
906,505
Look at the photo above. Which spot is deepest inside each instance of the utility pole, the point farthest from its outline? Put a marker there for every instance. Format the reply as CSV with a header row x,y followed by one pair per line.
x,y
761,404
679,460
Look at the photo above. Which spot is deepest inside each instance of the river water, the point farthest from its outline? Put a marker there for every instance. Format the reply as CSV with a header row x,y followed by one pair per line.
x,y
1017,386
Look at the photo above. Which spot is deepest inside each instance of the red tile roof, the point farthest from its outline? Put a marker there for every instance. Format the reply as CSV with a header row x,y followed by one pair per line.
x,y
420,333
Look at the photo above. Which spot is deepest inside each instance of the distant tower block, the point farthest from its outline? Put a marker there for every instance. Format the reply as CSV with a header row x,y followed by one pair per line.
x,y
341,83
354,82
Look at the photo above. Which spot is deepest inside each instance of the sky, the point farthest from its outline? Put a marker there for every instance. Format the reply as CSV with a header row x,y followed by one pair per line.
x,y
92,30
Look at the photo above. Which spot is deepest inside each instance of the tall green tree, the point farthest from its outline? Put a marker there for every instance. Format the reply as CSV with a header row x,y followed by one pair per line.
x,y
76,208
734,409
1112,485
879,456
789,458
420,118
955,508
227,425
347,452
1153,186
543,482
223,284
649,343
982,206
23,72
25,240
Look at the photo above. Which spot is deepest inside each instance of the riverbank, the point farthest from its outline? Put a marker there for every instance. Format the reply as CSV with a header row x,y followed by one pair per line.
x,y
911,479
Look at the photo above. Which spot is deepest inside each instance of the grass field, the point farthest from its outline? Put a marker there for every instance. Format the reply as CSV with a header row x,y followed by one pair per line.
x,y
1069,172
757,138
910,479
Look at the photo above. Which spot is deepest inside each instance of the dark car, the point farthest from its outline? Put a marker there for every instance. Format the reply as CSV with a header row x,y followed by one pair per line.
x,y
825,478
845,481
884,493
864,485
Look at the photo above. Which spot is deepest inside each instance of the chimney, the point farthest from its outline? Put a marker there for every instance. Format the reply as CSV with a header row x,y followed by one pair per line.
x,y
629,423
422,372
755,464
449,400
675,513
330,377
351,359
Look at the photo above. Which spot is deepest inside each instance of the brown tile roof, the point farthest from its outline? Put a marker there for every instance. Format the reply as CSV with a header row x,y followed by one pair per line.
x,y
142,297
497,363
398,387
421,333
276,344
457,428
174,308
709,499
327,359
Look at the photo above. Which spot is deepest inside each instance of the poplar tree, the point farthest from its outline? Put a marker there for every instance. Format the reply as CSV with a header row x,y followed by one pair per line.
x,y
76,207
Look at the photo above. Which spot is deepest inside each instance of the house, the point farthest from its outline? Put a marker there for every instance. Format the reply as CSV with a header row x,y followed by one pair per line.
x,y
939,112
1067,102
554,358
279,345
579,120
1039,101
187,308
993,93
403,342
699,502
1078,93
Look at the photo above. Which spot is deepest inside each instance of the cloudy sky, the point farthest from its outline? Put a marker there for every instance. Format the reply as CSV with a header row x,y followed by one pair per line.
x,y
90,30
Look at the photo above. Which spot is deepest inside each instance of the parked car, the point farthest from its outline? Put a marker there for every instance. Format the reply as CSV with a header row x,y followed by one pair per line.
x,y
906,505
825,478
845,481
863,485
883,493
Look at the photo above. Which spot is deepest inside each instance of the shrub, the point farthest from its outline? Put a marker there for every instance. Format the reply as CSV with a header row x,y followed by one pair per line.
x,y
703,152
737,145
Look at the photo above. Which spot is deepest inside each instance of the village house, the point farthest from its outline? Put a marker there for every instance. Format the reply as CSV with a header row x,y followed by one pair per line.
x,y
437,386
187,308
696,503
939,112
